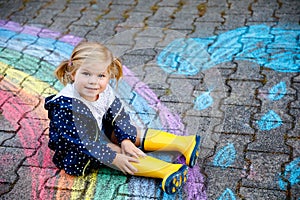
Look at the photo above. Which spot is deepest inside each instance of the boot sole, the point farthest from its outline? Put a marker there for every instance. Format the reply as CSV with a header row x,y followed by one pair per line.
x,y
176,180
195,153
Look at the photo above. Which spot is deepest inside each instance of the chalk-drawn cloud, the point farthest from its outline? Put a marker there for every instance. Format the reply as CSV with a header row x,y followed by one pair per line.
x,y
183,56
272,48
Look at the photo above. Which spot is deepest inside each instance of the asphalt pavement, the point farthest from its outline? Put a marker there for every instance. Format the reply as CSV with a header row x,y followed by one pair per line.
x,y
227,70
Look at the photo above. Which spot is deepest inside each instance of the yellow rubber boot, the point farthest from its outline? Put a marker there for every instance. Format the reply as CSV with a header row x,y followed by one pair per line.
x,y
157,140
173,175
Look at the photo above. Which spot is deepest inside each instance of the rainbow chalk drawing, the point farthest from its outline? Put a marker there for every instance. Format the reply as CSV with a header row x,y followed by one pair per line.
x,y
290,175
225,157
28,57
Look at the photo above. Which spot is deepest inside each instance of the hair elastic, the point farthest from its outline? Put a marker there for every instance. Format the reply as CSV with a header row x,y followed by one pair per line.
x,y
70,63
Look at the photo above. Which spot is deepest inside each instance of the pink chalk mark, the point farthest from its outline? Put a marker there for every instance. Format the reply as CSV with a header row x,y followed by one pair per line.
x,y
49,34
31,30
73,40
13,26
39,32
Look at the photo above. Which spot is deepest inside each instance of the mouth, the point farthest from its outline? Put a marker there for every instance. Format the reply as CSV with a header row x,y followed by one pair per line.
x,y
93,89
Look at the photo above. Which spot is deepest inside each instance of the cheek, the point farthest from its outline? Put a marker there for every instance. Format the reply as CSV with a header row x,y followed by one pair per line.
x,y
79,78
104,83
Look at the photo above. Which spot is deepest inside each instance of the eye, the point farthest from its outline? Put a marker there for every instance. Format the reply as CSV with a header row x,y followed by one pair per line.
x,y
102,76
86,73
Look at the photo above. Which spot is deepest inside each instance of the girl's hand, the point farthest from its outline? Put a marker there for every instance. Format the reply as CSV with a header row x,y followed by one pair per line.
x,y
122,162
128,148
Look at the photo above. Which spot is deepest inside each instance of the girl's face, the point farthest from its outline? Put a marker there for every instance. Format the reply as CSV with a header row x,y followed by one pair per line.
x,y
90,80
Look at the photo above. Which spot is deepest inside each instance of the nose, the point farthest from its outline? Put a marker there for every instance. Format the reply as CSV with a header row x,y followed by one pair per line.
x,y
93,80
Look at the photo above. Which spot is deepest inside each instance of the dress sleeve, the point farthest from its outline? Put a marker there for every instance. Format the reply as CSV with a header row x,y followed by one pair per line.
x,y
81,134
120,122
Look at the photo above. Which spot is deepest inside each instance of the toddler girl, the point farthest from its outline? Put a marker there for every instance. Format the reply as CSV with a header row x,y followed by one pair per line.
x,y
89,126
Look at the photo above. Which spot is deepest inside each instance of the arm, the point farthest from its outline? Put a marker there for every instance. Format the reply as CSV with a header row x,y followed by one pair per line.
x,y
80,134
125,132
120,121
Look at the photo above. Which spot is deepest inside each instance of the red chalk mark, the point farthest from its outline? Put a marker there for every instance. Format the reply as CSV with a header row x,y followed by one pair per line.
x,y
43,157
4,96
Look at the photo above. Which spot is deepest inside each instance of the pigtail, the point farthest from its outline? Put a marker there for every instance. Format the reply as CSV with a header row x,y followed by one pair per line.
x,y
118,69
62,72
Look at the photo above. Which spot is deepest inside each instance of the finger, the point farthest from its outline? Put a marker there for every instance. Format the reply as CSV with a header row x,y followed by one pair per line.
x,y
128,169
124,171
141,153
133,159
132,152
135,154
131,168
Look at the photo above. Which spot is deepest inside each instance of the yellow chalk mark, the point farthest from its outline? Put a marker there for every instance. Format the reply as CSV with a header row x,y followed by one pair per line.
x,y
80,182
92,186
3,67
36,86
29,83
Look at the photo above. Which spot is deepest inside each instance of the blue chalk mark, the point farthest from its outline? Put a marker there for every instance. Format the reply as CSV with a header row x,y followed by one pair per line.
x,y
269,121
277,92
227,195
21,41
203,101
273,48
183,56
225,157
139,110
291,174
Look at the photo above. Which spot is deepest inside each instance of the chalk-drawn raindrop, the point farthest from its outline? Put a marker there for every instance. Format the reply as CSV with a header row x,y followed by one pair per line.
x,y
269,121
277,91
225,157
227,195
291,174
203,101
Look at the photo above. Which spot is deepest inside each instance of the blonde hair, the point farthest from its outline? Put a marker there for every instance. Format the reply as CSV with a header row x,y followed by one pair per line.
x,y
88,52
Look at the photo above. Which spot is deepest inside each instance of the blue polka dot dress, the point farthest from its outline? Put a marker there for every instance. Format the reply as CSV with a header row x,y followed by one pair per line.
x,y
79,131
